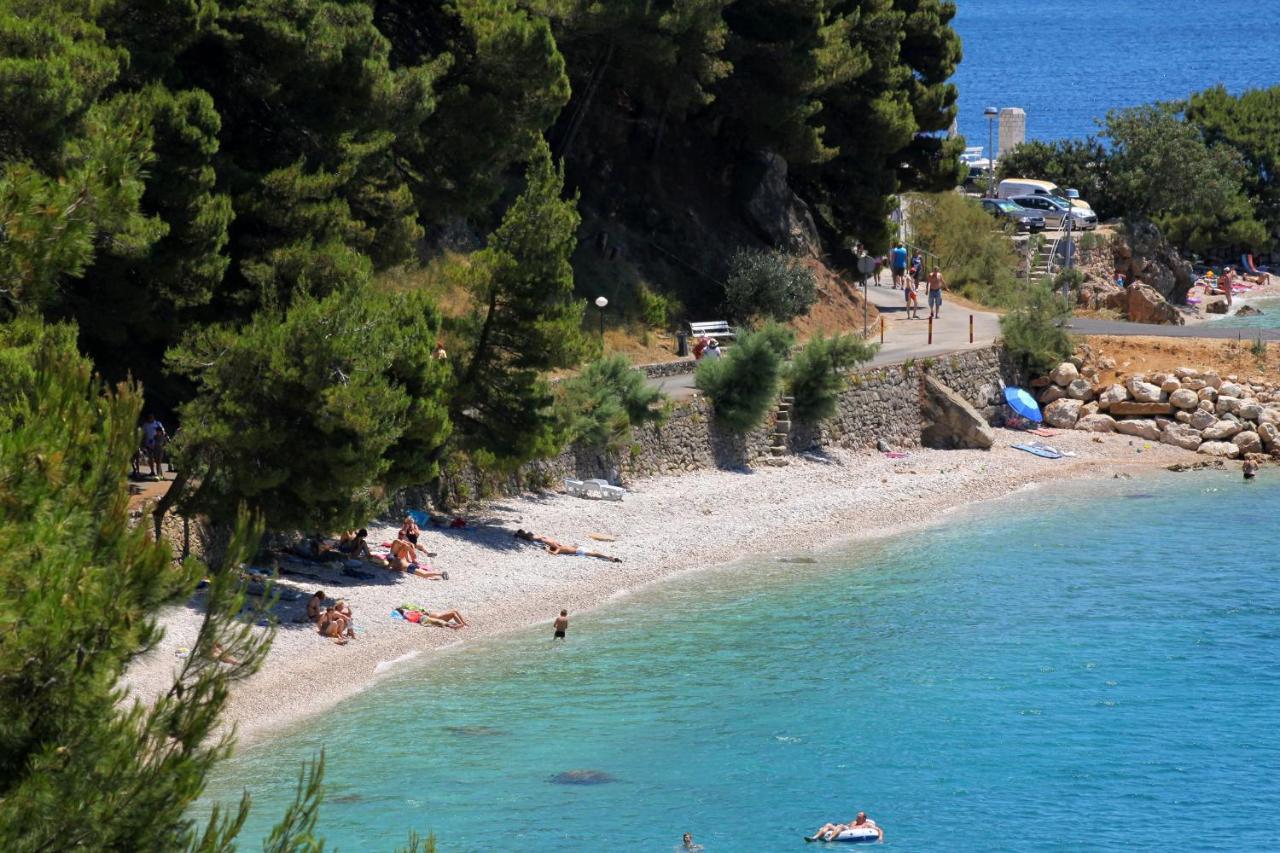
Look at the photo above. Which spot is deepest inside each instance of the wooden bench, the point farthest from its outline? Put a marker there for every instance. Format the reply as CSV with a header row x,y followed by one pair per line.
x,y
711,329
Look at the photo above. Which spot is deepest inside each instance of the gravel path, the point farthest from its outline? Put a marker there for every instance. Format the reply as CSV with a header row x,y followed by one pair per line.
x,y
664,525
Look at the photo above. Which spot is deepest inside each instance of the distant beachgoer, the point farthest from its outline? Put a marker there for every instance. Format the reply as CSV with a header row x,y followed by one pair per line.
x,y
344,610
1120,282
936,284
560,549
898,263
439,353
911,297
686,843
561,625
409,530
334,625
404,558
353,544
1227,283
438,619
1250,469
917,267
221,655
700,346
315,604
881,262
712,350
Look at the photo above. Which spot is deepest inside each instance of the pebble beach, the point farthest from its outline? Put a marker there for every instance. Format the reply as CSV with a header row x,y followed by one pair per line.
x,y
665,525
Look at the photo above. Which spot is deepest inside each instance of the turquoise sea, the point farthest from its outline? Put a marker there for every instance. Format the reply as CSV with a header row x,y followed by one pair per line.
x,y
1066,64
1268,319
1089,665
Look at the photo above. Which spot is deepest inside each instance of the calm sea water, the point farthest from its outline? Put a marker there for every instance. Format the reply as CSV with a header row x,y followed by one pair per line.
x,y
1268,319
1068,63
1091,666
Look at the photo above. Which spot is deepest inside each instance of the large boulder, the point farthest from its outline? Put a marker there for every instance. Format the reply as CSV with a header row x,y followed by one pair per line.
x,y
1184,399
951,423
1249,411
1215,305
1143,392
1096,423
1202,420
1053,392
774,209
1209,393
1221,431
1064,374
1112,394
1142,253
1219,448
1181,435
1232,389
1130,408
1248,442
1228,405
1270,436
1063,413
1147,305
1140,427
1080,390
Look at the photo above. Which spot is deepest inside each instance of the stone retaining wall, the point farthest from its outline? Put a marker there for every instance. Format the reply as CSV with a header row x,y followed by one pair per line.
x,y
663,369
881,403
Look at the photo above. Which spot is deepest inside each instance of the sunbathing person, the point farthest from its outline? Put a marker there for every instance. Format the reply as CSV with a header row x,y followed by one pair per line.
x,y
315,606
404,558
333,624
561,549
343,609
441,619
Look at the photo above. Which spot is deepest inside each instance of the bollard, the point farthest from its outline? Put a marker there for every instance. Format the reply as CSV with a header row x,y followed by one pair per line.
x,y
881,328
970,328
930,328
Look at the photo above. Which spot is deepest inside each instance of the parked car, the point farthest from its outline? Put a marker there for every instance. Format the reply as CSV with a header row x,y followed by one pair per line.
x,y
1023,219
1011,187
1055,210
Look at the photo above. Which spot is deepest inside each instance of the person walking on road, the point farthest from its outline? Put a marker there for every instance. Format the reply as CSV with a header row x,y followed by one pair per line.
x,y
936,284
898,264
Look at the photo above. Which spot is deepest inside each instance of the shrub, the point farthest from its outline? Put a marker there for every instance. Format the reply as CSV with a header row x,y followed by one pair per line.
x,y
977,258
743,384
599,406
1035,330
768,284
817,376
657,309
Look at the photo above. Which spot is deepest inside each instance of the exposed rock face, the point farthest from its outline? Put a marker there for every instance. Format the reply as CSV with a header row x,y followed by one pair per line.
x,y
1146,305
1219,448
1113,394
1182,436
1142,428
952,422
1064,374
1143,254
1129,408
1248,311
777,212
1080,390
1096,423
1221,431
1063,413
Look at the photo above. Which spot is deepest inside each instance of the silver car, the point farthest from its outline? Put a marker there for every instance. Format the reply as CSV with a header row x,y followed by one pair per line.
x,y
1054,210
1023,220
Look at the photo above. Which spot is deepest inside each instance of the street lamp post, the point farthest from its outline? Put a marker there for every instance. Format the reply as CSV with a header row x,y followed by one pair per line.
x,y
602,304
991,113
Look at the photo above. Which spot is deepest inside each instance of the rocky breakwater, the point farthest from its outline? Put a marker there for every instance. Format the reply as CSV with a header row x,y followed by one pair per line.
x,y
1188,408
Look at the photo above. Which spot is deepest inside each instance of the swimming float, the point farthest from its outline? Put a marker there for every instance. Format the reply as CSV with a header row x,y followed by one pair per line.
x,y
854,835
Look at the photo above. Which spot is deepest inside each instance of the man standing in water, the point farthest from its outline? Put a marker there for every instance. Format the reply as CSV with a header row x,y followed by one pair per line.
x,y
561,625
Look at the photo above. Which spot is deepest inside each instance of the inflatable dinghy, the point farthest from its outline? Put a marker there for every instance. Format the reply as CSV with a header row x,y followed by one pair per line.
x,y
855,835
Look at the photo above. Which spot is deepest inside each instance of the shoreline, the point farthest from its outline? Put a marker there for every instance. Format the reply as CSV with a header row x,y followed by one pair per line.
x,y
664,527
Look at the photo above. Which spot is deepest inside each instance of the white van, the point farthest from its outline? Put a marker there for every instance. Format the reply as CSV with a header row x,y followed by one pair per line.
x,y
1011,187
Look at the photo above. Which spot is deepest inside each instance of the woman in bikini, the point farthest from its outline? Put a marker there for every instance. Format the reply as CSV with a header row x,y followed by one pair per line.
x,y
409,530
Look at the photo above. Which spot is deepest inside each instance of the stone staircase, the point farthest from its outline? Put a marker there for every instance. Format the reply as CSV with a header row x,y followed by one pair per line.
x,y
778,453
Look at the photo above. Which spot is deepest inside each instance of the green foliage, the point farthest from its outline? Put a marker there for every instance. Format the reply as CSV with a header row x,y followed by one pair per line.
x,y
658,309
772,285
1248,123
1034,331
309,416
1163,170
86,768
743,384
977,258
1259,349
818,374
599,407
525,322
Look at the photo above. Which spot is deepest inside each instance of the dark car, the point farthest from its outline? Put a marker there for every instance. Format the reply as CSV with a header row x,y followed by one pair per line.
x,y
1022,218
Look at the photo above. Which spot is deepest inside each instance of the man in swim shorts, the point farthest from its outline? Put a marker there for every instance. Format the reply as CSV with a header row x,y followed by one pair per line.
x,y
561,625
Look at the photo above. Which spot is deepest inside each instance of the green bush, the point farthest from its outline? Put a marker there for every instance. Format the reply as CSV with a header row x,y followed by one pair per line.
x,y
977,257
601,405
1035,330
817,376
743,385
772,285
657,309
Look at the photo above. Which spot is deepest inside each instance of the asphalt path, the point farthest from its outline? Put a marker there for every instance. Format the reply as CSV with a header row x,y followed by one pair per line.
x,y
903,338
1082,326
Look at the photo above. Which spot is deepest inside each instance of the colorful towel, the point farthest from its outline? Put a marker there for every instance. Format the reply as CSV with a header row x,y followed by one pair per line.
x,y
1044,432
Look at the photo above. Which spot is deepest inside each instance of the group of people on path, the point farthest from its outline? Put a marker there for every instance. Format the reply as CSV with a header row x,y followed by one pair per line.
x,y
910,277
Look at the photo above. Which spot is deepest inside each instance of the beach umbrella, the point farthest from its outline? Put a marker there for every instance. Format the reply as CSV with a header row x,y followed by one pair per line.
x,y
1024,404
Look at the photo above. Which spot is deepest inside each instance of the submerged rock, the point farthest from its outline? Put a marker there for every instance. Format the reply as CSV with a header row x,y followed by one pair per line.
x,y
474,731
582,777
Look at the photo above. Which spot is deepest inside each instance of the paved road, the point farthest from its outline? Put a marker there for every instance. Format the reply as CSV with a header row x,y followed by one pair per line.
x,y
1083,326
903,338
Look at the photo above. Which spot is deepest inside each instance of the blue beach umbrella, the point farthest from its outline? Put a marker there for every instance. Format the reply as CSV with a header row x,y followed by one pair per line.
x,y
1024,404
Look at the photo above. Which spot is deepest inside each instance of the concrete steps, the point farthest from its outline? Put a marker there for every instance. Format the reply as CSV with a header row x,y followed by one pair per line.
x,y
778,451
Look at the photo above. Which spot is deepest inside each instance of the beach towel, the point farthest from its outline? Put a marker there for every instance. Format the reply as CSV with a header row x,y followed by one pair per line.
x,y
1035,448
1044,432
896,454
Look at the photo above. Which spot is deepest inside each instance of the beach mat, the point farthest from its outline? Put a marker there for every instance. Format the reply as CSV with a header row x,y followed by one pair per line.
x,y
1037,449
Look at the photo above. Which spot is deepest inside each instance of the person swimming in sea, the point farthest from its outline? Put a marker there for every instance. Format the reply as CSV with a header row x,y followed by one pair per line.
x,y
829,831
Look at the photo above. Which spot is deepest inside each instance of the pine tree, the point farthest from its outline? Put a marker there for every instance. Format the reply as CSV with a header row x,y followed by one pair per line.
x,y
525,322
